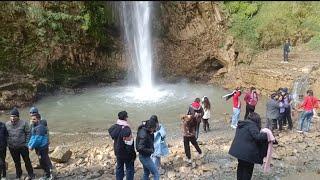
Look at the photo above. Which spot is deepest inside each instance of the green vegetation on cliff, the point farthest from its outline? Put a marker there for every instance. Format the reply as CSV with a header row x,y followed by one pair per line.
x,y
56,40
264,25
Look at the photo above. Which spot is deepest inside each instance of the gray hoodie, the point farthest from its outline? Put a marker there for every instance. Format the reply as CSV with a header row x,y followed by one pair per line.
x,y
18,134
273,109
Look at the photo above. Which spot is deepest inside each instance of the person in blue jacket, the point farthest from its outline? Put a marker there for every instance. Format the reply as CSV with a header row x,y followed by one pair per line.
x,y
39,142
160,145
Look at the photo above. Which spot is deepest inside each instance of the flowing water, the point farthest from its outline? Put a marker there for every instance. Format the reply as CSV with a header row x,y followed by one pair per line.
x,y
96,108
299,89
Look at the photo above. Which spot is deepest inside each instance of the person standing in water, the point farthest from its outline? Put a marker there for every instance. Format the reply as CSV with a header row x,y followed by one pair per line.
x,y
251,99
206,106
196,111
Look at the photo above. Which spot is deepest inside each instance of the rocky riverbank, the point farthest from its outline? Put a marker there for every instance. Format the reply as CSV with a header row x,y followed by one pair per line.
x,y
92,156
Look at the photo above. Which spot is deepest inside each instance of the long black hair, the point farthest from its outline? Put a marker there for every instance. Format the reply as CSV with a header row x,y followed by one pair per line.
x,y
206,103
255,117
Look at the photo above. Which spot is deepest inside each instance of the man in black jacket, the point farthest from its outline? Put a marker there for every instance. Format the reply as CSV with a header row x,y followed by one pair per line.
x,y
145,140
246,145
3,149
123,146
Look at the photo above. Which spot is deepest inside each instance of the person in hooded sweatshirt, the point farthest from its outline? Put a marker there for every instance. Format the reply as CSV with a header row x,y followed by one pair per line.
x,y
247,144
3,149
123,146
145,147
18,138
196,110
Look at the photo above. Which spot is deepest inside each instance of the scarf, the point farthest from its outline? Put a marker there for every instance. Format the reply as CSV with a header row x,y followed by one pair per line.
x,y
122,123
267,159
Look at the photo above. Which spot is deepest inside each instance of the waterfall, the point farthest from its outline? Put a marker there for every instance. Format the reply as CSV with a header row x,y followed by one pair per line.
x,y
136,23
300,87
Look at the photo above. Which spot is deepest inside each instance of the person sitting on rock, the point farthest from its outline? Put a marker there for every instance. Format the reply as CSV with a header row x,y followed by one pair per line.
x,y
18,138
309,103
196,110
246,145
3,150
145,147
39,142
188,129
160,145
123,146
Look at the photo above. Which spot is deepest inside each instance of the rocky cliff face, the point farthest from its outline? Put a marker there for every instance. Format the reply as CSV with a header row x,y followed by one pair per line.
x,y
193,43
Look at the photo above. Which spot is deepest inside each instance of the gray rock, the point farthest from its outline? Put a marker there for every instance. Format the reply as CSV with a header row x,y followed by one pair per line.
x,y
61,154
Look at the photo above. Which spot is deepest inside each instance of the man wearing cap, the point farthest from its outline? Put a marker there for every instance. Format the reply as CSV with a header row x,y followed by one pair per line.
x,y
145,141
18,138
35,112
123,146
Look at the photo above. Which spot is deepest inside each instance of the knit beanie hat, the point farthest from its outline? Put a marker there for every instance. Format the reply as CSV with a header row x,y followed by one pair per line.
x,y
14,112
33,110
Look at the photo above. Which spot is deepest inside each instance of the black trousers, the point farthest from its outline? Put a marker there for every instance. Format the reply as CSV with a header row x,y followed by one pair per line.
x,y
285,56
45,161
186,144
288,118
37,152
244,170
249,109
3,153
206,126
24,152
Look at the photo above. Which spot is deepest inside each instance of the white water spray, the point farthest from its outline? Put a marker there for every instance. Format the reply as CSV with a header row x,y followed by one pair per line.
x,y
136,19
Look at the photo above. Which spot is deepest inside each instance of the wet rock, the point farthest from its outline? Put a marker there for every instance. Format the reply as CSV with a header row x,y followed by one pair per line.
x,y
61,154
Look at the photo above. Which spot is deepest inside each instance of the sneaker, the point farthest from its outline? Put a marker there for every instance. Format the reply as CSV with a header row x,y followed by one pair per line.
x,y
46,178
3,178
200,155
234,127
189,161
37,167
299,131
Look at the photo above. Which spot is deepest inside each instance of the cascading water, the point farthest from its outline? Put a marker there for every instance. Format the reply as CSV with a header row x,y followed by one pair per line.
x,y
300,87
136,19
136,23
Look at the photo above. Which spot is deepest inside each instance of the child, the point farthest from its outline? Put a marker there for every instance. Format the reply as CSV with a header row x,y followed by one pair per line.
x,y
3,149
39,141
206,108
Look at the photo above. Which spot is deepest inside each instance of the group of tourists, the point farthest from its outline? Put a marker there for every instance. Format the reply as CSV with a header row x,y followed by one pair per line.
x,y
252,144
151,140
21,137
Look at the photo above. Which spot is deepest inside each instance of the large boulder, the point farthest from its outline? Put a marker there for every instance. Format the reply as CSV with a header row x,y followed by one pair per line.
x,y
61,154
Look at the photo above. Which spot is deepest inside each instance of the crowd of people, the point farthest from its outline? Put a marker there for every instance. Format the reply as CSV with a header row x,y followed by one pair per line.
x,y
21,137
251,145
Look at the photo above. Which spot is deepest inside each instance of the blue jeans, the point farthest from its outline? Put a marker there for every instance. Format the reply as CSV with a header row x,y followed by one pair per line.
x,y
149,166
120,169
306,116
157,161
235,116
